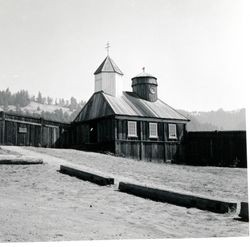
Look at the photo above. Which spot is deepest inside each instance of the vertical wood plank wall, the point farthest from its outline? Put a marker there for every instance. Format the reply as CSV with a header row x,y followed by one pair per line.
x,y
95,135
110,135
217,148
160,149
28,131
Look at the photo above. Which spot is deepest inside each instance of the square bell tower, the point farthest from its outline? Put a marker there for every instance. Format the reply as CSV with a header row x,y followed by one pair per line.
x,y
108,78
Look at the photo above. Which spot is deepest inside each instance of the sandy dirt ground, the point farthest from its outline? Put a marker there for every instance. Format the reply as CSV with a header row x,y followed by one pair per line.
x,y
40,204
215,182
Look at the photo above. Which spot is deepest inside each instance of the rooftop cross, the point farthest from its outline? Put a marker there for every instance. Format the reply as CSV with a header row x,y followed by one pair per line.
x,y
107,47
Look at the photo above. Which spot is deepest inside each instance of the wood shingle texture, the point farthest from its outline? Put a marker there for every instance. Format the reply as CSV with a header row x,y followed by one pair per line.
x,y
129,104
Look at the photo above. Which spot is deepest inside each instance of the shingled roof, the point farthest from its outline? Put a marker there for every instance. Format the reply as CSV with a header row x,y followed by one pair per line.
x,y
129,104
108,65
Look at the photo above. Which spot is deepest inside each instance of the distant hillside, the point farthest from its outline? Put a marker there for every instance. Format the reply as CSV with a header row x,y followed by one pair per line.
x,y
49,112
66,110
22,103
216,120
37,108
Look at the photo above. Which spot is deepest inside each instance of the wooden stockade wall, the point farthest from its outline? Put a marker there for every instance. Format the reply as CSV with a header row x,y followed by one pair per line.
x,y
109,134
30,131
216,148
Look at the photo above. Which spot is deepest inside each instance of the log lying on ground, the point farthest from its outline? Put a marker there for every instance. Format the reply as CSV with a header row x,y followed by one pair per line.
x,y
19,160
91,177
244,214
179,199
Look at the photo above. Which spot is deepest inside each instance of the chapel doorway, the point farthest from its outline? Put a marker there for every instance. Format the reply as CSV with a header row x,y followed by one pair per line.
x,y
93,132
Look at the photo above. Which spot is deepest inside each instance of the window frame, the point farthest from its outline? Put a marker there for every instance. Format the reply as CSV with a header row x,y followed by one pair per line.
x,y
170,125
135,125
156,130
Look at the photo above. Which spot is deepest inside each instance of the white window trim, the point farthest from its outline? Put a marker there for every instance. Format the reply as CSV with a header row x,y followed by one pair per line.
x,y
135,125
172,136
156,127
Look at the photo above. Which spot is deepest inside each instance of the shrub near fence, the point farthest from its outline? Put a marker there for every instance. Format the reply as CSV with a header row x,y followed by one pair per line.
x,y
216,148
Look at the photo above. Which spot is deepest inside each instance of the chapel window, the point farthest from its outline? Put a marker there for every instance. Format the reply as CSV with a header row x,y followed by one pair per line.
x,y
153,130
172,131
132,129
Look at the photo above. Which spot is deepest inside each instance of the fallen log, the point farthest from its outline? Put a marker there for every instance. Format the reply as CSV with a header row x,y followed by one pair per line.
x,y
87,176
179,199
19,160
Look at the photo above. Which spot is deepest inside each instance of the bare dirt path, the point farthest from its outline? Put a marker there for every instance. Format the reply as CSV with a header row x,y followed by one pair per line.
x,y
39,204
223,183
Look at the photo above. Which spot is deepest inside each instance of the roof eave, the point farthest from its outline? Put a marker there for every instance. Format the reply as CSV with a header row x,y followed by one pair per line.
x,y
99,72
147,117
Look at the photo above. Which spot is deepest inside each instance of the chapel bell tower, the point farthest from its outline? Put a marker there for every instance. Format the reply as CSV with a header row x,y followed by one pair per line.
x,y
145,86
108,77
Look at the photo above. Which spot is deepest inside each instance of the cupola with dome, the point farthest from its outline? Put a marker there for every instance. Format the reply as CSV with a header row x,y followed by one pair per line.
x,y
145,86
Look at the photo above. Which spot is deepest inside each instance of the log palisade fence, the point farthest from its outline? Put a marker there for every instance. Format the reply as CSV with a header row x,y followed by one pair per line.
x,y
205,148
31,131
216,148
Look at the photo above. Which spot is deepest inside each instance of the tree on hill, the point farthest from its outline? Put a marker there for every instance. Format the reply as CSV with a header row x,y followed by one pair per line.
x,y
73,104
49,100
22,98
5,97
216,120
39,98
33,98
18,109
61,102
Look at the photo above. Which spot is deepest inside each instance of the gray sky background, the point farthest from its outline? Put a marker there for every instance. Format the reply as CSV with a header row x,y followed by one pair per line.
x,y
198,49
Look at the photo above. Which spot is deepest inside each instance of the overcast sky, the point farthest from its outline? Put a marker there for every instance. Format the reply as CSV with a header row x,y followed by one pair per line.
x,y
197,49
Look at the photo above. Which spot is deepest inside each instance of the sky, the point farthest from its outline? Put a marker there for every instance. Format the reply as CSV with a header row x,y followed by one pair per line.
x,y
198,49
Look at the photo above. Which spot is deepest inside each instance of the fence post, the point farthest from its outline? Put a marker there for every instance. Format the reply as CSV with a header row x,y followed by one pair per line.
x,y
41,131
3,130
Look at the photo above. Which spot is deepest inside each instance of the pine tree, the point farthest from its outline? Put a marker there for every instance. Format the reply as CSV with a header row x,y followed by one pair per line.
x,y
39,98
73,104
49,100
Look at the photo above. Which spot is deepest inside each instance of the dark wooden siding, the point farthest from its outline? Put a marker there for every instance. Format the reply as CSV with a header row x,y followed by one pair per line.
x,y
2,122
28,131
142,147
94,135
217,148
